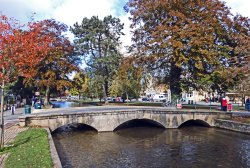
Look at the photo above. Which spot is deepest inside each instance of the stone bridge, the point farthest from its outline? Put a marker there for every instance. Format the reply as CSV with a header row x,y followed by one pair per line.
x,y
110,119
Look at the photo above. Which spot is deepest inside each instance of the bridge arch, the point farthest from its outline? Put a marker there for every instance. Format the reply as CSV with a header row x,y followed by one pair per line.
x,y
138,122
195,122
61,123
73,126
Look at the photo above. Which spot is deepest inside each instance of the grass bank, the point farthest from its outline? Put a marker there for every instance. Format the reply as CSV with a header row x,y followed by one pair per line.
x,y
30,149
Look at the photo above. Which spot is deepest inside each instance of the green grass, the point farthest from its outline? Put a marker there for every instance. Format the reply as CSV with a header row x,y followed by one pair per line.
x,y
30,150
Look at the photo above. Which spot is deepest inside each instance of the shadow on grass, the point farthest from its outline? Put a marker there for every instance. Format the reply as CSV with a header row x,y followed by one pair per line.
x,y
12,145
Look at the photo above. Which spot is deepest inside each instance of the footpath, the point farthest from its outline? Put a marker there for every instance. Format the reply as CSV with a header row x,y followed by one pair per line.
x,y
11,129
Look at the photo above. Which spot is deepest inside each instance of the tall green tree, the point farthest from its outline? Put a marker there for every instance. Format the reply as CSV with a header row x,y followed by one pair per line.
x,y
98,42
183,41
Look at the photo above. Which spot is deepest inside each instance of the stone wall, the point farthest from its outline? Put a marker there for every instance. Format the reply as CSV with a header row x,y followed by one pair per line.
x,y
232,125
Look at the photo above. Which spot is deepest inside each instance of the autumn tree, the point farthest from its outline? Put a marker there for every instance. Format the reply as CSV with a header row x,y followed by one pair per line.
x,y
21,49
53,72
78,84
235,72
239,64
130,80
98,41
182,41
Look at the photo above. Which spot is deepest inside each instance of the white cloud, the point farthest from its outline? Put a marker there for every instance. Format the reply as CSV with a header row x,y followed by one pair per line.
x,y
126,39
22,9
239,6
75,10
66,11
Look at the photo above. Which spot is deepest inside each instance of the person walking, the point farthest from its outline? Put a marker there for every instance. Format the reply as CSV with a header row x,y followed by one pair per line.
x,y
33,99
12,108
247,105
224,104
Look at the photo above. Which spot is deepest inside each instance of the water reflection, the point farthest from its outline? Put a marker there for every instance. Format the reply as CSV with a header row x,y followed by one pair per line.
x,y
137,147
66,104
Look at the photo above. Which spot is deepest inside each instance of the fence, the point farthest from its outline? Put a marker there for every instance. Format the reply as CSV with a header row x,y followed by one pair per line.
x,y
210,106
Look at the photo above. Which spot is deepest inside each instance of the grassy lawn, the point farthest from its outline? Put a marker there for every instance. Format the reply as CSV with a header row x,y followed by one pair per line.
x,y
30,149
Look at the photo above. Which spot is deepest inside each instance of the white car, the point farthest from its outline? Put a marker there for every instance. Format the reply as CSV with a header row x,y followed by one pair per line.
x,y
159,98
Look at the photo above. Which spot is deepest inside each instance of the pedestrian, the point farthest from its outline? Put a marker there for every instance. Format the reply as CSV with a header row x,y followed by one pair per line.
x,y
33,101
247,105
12,108
224,104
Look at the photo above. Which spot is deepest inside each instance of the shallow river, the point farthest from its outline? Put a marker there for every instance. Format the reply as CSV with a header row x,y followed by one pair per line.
x,y
144,146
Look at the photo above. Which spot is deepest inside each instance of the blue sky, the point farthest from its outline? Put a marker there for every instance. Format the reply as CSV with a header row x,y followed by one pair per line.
x,y
71,11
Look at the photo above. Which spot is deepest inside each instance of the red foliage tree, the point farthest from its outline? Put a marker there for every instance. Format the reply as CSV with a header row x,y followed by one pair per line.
x,y
21,49
51,72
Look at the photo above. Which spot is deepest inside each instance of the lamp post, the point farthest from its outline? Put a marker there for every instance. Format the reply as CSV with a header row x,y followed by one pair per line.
x,y
210,105
2,119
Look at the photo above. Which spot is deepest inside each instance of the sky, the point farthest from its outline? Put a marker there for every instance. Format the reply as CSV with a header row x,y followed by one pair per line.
x,y
72,11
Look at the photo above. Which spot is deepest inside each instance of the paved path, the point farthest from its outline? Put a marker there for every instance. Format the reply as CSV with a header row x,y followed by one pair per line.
x,y
11,129
9,118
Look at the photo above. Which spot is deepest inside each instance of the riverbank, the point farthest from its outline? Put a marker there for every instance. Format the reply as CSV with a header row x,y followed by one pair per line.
x,y
245,119
10,132
236,123
26,147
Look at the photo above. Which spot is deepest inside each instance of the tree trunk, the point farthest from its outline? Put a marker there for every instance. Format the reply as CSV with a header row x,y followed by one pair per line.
x,y
127,96
174,81
2,119
79,95
243,98
47,96
104,93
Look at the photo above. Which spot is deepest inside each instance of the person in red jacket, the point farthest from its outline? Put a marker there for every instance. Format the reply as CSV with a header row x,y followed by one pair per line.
x,y
224,104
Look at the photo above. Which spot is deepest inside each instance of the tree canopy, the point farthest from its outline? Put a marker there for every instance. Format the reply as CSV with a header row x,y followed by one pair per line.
x,y
53,72
21,50
185,41
130,80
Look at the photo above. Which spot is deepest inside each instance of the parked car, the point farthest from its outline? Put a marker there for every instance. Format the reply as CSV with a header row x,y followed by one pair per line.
x,y
118,99
159,98
145,99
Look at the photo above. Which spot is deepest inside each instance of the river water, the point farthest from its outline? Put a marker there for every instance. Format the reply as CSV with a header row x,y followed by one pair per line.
x,y
146,146
66,104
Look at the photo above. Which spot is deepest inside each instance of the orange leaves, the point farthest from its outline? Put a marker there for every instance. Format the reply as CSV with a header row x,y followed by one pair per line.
x,y
58,62
21,49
